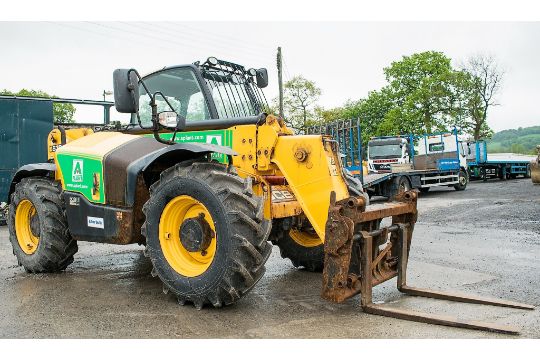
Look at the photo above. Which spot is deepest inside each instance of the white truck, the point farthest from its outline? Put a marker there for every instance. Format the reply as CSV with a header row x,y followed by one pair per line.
x,y
399,163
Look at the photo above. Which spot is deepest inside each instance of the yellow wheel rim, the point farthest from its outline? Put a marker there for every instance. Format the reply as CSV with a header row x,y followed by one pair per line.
x,y
184,262
305,239
28,241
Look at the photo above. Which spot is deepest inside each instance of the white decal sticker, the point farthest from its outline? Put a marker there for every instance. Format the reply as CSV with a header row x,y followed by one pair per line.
x,y
77,172
213,139
74,201
281,195
95,222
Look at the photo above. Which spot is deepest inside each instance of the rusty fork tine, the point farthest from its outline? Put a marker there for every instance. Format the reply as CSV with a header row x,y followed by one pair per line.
x,y
350,226
439,319
455,296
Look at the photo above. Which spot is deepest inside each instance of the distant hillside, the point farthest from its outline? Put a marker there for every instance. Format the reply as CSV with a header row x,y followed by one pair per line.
x,y
520,141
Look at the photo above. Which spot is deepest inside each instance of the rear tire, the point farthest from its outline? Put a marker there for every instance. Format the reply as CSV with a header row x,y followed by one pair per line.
x,y
38,228
239,250
462,181
309,257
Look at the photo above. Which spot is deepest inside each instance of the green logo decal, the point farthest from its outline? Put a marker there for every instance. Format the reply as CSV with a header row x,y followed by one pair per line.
x,y
86,175
215,137
77,174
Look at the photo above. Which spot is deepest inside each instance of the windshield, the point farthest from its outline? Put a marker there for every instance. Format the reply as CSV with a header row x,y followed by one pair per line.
x,y
182,90
234,92
385,151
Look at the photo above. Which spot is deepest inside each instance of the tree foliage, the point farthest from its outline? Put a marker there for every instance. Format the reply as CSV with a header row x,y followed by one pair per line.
x,y
483,83
423,93
61,112
299,98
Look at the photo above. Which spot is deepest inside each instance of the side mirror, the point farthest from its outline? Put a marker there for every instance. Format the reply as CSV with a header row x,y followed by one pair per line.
x,y
171,120
262,78
126,91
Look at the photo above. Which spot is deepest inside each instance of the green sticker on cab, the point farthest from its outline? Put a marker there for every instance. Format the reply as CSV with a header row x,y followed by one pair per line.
x,y
215,137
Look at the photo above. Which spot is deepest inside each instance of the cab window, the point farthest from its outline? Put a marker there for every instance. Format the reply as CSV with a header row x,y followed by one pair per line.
x,y
182,90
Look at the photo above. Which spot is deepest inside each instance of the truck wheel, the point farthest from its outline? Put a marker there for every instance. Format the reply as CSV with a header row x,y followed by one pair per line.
x,y
528,172
402,184
304,247
38,229
462,181
206,234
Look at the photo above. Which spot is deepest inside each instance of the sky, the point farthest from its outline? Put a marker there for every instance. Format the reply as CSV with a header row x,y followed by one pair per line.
x,y
345,59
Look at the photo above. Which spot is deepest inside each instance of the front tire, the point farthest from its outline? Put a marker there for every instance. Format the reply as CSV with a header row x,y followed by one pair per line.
x,y
38,229
462,181
229,260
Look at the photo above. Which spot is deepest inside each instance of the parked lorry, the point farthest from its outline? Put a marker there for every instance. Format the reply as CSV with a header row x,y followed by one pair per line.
x,y
400,163
482,165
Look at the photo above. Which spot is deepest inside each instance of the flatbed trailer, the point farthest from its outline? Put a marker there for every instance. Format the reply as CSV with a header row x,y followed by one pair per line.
x,y
446,170
482,165
390,184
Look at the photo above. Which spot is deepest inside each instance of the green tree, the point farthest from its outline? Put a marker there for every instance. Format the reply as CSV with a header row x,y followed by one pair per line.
x,y
424,90
61,112
371,111
299,98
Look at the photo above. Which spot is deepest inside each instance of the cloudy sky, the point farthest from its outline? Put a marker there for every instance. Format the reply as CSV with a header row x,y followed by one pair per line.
x,y
345,59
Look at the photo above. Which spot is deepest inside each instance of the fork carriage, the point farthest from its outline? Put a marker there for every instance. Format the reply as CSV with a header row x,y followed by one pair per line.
x,y
359,255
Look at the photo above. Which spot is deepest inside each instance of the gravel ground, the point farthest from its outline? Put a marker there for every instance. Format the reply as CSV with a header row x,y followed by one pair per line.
x,y
484,240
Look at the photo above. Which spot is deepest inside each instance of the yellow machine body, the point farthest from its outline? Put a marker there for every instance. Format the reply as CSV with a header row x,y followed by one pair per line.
x,y
295,174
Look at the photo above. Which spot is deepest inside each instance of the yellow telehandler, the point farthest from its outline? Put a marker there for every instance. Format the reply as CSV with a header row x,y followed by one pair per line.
x,y
208,181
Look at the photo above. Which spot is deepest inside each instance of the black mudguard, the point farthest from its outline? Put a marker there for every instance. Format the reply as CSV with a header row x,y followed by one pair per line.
x,y
38,169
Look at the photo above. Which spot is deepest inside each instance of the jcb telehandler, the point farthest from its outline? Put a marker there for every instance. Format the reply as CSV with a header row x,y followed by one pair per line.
x,y
208,181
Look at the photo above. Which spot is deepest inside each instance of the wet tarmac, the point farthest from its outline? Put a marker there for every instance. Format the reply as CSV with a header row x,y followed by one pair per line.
x,y
484,240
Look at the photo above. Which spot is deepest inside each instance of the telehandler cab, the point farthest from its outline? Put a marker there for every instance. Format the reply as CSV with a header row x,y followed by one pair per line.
x,y
208,181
